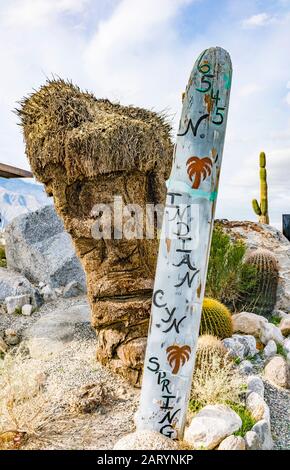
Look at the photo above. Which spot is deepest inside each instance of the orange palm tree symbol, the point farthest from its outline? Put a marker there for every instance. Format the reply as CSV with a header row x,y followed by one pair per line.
x,y
198,168
177,356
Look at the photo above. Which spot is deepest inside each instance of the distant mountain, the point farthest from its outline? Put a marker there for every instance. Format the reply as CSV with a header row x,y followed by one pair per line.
x,y
18,196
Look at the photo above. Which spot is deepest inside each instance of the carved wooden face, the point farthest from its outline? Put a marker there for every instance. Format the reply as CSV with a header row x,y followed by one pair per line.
x,y
121,265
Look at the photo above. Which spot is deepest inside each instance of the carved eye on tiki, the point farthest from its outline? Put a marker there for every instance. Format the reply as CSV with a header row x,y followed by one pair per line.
x,y
177,356
199,169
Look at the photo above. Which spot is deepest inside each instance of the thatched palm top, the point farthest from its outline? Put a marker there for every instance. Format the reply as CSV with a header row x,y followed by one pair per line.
x,y
67,127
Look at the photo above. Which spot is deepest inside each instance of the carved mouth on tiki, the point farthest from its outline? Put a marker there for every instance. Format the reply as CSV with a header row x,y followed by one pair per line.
x,y
137,295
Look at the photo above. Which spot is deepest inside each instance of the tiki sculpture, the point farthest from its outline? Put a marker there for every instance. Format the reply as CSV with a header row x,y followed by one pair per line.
x,y
184,247
262,209
86,152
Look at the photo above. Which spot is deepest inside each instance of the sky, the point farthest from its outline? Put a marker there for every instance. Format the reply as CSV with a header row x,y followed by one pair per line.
x,y
141,52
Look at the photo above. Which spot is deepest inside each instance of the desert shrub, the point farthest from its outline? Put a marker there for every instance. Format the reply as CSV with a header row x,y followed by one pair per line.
x,y
228,277
3,262
216,319
218,382
25,411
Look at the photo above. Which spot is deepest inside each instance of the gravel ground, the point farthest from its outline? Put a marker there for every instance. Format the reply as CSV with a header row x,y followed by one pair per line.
x,y
279,403
63,375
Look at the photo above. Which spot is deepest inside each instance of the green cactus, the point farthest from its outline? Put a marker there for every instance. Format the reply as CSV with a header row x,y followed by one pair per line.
x,y
216,319
262,209
262,297
209,346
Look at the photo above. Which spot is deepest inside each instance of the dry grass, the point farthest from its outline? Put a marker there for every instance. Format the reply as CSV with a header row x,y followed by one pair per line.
x,y
26,413
219,382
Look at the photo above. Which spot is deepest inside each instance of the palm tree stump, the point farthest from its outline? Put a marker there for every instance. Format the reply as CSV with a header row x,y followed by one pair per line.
x,y
86,151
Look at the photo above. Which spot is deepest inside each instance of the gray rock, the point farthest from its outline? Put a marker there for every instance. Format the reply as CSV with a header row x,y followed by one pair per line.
x,y
246,367
262,429
27,310
232,443
13,283
11,337
277,372
16,302
73,289
270,349
253,441
212,425
235,348
48,294
270,331
51,332
249,342
38,247
255,384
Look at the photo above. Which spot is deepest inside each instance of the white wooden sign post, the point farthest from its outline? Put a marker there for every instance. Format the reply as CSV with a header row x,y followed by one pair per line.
x,y
184,246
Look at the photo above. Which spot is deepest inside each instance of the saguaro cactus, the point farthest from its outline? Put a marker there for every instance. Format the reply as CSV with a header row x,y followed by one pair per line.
x,y
262,209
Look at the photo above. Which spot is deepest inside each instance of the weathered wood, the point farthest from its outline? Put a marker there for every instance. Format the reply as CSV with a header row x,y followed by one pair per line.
x,y
8,171
286,225
184,246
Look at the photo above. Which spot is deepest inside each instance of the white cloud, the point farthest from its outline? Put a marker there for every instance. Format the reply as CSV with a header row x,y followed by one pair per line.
x,y
33,12
133,51
250,89
255,21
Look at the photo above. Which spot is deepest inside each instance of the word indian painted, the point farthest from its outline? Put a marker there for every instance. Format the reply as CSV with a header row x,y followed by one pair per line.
x,y
184,246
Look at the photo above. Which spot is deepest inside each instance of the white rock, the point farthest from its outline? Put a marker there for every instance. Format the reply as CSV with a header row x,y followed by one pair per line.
x,y
246,367
270,331
285,326
255,384
262,429
277,371
12,303
232,443
211,425
235,348
249,342
41,284
257,407
26,310
270,349
286,344
253,441
145,440
248,323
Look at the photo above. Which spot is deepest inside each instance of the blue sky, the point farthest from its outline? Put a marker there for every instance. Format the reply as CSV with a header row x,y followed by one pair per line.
x,y
141,52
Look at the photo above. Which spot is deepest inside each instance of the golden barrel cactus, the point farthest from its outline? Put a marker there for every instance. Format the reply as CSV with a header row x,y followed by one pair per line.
x,y
216,319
